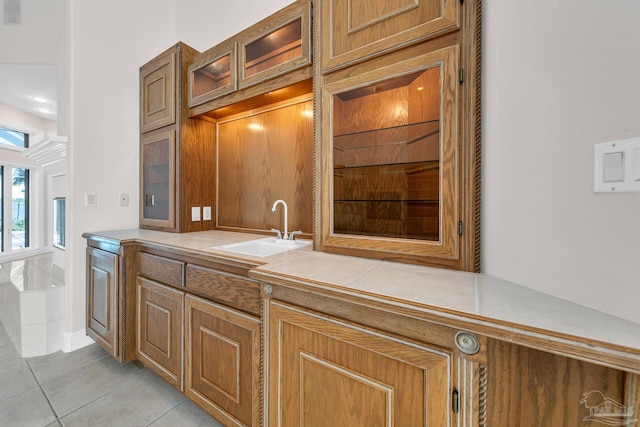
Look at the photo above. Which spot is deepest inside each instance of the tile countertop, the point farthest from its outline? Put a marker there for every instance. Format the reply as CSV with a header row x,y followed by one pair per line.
x,y
479,302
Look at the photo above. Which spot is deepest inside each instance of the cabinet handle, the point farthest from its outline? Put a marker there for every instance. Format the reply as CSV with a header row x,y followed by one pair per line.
x,y
150,199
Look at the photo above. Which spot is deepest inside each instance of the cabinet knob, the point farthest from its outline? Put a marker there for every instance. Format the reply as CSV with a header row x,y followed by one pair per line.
x,y
268,289
467,343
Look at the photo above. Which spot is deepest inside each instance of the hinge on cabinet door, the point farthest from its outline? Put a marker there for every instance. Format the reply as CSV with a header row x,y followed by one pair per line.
x,y
460,228
455,401
461,75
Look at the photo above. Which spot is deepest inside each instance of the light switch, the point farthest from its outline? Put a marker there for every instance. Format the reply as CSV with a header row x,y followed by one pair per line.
x,y
613,167
617,166
206,213
90,199
195,213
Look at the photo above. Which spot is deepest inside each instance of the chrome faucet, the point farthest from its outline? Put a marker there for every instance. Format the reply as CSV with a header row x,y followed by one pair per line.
x,y
286,219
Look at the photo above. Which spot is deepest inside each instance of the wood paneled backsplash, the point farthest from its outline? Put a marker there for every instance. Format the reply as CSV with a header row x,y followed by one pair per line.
x,y
264,156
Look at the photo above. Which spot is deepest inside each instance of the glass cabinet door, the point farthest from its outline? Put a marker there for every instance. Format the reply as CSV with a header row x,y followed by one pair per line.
x,y
214,75
158,180
389,160
284,46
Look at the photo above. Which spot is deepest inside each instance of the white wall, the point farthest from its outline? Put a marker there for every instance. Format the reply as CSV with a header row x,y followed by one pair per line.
x,y
560,76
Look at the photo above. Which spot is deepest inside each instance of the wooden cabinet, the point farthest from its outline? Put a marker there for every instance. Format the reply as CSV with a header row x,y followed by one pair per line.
x,y
102,299
159,330
271,57
158,92
398,148
355,30
327,372
158,179
110,320
177,154
222,350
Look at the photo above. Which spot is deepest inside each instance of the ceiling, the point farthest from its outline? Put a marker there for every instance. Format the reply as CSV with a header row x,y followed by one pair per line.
x,y
22,84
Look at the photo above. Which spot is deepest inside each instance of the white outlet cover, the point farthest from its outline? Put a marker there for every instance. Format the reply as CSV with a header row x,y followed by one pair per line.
x,y
617,166
195,213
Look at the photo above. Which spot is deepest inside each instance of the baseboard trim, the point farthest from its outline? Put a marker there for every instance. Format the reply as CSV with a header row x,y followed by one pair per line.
x,y
75,340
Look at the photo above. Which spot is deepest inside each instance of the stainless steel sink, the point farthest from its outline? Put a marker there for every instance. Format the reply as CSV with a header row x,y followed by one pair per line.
x,y
264,247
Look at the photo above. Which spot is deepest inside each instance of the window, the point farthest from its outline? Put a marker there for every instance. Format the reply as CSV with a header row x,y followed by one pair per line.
x,y
14,207
59,226
15,138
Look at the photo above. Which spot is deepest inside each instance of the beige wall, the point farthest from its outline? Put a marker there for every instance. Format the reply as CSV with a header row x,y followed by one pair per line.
x,y
560,76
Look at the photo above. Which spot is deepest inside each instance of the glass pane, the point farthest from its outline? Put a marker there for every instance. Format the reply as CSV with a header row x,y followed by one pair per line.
x,y
275,48
12,137
59,224
20,208
156,171
212,76
386,158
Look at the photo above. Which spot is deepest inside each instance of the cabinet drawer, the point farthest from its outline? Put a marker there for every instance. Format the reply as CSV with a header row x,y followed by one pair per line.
x,y
234,291
163,270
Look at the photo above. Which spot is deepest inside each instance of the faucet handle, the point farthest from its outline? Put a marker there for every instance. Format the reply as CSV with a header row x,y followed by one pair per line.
x,y
292,235
273,230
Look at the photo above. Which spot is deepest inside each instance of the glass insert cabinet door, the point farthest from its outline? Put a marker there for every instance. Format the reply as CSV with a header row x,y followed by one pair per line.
x,y
158,180
389,160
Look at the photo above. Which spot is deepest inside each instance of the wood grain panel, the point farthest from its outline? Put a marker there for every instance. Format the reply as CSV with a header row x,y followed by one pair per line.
x,y
531,388
159,330
235,291
102,299
223,362
158,93
264,157
365,378
163,270
355,30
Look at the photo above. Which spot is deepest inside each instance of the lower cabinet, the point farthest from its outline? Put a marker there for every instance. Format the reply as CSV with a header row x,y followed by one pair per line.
x,y
222,361
102,299
325,372
159,330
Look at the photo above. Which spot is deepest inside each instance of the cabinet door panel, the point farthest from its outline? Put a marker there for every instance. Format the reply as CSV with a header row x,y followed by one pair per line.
x,y
365,378
160,314
157,93
102,302
354,30
158,180
223,362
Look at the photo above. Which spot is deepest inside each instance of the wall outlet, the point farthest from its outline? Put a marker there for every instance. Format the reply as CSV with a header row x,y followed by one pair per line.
x,y
195,213
90,199
206,213
124,199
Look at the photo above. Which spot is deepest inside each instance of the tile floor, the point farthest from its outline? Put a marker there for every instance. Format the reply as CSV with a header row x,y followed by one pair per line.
x,y
87,388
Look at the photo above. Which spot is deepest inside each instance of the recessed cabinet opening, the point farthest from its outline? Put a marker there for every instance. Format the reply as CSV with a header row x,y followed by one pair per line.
x,y
275,48
386,158
212,76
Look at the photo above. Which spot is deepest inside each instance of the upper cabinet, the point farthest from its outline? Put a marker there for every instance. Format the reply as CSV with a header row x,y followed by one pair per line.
x,y
158,92
355,30
275,46
397,151
177,153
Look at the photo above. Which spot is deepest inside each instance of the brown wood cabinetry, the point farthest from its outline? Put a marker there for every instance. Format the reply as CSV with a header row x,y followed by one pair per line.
x,y
397,147
327,372
271,57
159,332
355,30
110,319
222,351
102,298
177,154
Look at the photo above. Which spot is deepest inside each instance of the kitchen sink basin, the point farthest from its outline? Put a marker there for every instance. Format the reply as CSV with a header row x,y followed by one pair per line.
x,y
264,247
